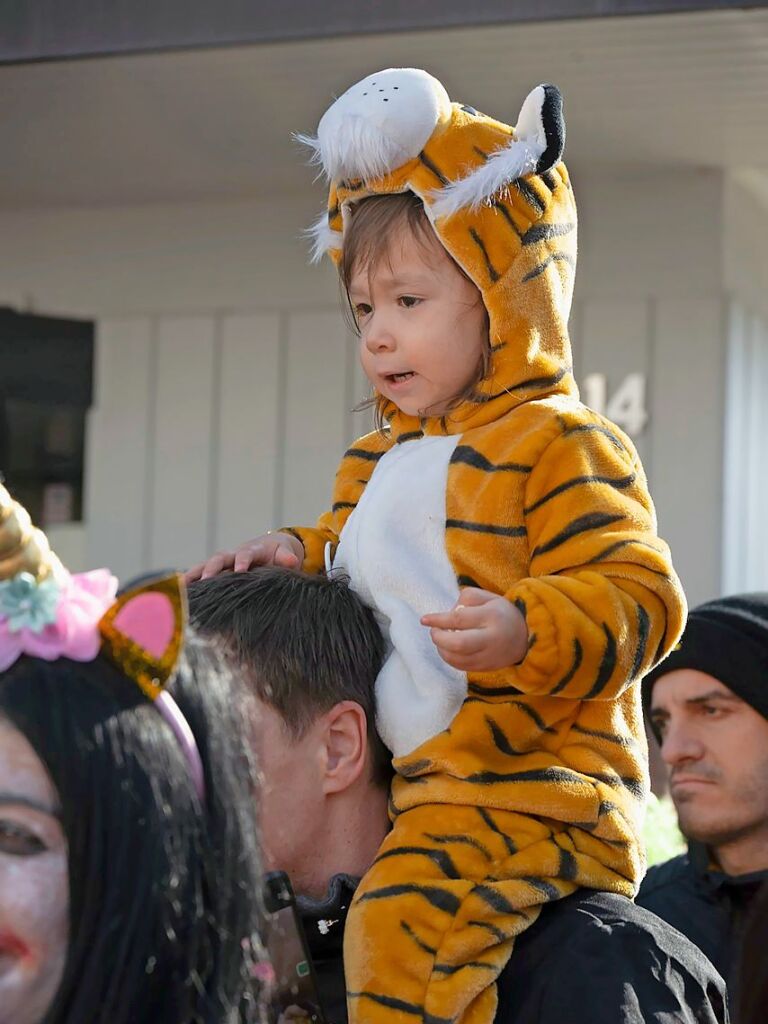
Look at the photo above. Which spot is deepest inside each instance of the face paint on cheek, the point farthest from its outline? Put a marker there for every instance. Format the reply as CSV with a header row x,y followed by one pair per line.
x,y
34,928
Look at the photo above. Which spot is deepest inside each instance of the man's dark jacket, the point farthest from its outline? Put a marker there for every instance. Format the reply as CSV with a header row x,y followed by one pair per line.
x,y
707,906
593,958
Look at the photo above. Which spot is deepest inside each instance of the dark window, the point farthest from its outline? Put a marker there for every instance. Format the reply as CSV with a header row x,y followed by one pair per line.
x,y
46,386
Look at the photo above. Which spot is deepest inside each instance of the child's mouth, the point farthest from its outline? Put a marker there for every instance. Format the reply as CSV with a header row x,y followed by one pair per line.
x,y
398,378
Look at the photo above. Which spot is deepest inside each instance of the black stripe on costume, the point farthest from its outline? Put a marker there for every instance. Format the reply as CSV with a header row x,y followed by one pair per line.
x,y
528,194
461,839
634,786
339,505
467,581
498,204
534,715
400,1004
419,942
548,775
619,544
352,184
542,382
410,435
550,180
597,428
481,153
431,166
500,738
643,631
492,272
440,858
455,968
582,524
578,654
568,867
495,900
607,665
608,737
361,453
438,897
493,691
480,398
491,824
469,456
496,932
413,767
555,257
545,232
545,888
333,213
498,346
499,531
619,483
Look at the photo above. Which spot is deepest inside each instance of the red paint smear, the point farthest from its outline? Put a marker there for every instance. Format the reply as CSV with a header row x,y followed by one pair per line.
x,y
12,945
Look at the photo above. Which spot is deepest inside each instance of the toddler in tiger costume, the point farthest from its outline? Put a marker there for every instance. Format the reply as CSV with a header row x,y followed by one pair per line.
x,y
502,531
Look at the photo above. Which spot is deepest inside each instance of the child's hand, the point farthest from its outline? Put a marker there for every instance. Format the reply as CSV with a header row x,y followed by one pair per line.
x,y
481,633
281,549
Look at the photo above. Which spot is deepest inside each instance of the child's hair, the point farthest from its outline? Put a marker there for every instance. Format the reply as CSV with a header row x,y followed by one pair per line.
x,y
372,225
163,892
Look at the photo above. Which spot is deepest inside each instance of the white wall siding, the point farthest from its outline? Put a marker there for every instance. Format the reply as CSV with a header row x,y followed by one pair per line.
x,y
120,431
745,464
226,377
246,467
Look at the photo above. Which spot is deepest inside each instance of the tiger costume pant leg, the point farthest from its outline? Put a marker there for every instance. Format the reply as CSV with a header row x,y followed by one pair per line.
x,y
435,919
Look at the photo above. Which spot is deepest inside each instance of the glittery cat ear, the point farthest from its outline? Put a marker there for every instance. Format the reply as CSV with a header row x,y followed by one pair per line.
x,y
143,632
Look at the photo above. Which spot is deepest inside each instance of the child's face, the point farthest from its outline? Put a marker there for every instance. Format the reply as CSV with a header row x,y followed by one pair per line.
x,y
422,325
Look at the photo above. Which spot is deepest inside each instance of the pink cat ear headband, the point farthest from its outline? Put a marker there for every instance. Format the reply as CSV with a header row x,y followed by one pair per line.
x,y
49,613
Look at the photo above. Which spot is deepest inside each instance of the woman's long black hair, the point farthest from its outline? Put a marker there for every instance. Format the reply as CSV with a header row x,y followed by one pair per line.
x,y
164,892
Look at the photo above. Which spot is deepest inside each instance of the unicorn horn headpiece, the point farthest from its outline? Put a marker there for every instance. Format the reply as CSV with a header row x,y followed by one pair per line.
x,y
23,548
47,612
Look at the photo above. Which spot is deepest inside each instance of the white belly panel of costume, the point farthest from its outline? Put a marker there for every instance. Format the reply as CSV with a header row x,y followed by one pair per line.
x,y
393,550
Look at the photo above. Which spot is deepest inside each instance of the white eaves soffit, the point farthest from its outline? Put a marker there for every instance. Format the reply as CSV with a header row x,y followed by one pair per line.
x,y
683,91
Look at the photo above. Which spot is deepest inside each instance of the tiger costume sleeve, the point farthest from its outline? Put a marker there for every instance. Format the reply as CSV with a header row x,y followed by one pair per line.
x,y
602,603
353,474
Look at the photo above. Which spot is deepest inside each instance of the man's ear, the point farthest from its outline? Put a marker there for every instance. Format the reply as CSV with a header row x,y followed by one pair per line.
x,y
346,746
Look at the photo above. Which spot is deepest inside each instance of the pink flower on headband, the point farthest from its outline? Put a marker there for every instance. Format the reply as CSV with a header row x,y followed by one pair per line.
x,y
57,618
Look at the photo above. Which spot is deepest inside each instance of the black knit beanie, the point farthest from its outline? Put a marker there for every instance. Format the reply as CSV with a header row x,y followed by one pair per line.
x,y
727,639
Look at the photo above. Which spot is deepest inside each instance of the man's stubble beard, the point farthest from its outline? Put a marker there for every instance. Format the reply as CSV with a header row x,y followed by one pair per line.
x,y
745,814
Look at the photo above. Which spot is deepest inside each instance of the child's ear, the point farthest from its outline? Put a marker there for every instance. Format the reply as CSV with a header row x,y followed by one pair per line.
x,y
143,632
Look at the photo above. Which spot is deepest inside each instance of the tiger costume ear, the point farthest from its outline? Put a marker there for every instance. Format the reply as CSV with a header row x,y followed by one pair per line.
x,y
143,632
537,145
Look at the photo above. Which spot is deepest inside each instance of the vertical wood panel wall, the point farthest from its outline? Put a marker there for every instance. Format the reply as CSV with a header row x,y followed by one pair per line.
x,y
210,429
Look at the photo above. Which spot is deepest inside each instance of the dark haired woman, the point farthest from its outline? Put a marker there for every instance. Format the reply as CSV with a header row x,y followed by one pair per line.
x,y
129,867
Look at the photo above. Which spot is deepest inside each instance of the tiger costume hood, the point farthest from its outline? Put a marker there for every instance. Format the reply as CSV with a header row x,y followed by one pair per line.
x,y
500,202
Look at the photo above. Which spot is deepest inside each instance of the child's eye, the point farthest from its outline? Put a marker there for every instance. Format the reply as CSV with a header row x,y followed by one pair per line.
x,y
409,301
362,309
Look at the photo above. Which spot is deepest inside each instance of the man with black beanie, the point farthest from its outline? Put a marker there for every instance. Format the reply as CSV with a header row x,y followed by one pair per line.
x,y
708,708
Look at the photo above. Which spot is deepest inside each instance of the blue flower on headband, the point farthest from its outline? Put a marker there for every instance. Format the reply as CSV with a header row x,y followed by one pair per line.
x,y
27,604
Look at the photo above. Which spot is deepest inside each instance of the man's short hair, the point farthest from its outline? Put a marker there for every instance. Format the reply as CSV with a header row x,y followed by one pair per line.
x,y
306,642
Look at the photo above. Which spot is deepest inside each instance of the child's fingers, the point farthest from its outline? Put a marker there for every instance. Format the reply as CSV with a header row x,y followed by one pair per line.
x,y
217,563
464,641
474,597
286,559
459,617
246,557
